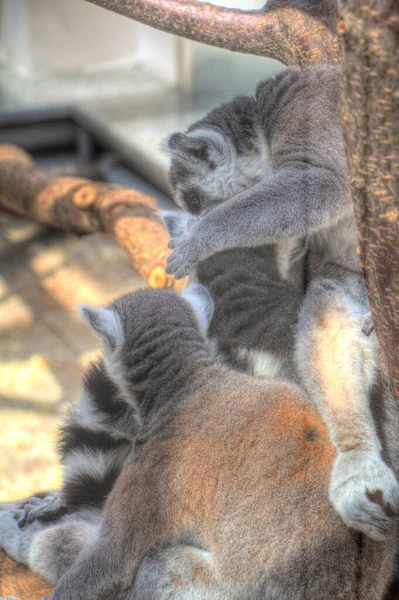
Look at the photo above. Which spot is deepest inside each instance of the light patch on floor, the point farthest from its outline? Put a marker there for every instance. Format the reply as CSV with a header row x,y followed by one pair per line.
x,y
44,348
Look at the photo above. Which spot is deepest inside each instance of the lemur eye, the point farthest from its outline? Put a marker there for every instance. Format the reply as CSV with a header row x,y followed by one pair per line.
x,y
192,200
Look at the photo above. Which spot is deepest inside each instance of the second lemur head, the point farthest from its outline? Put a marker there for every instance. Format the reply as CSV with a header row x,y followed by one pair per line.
x,y
149,336
218,157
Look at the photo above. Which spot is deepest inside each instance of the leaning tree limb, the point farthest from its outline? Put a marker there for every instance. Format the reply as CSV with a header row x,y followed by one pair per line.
x,y
370,117
83,206
291,35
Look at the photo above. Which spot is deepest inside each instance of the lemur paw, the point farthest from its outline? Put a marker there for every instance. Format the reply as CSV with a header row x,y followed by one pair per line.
x,y
184,257
355,476
45,508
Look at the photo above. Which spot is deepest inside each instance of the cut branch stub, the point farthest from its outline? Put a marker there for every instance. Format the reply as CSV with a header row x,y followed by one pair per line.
x,y
287,34
370,118
82,206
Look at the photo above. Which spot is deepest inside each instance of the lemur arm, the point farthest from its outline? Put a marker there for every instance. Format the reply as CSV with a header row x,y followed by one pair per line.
x,y
294,200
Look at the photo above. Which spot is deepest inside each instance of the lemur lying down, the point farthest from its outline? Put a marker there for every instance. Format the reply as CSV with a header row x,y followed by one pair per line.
x,y
225,493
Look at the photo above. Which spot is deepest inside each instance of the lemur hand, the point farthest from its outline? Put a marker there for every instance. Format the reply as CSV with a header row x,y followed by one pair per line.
x,y
188,242
185,256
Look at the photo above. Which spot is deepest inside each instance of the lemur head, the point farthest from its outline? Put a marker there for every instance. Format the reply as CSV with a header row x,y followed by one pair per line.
x,y
218,157
134,325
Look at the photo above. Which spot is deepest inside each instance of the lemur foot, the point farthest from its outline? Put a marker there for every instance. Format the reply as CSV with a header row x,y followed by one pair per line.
x,y
356,475
44,507
47,508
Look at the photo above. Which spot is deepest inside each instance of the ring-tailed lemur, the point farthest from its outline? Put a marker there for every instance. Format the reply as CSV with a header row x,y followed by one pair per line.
x,y
225,498
303,192
257,291
257,295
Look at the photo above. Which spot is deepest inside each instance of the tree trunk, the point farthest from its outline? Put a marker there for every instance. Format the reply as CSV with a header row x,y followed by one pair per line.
x,y
83,206
370,117
293,36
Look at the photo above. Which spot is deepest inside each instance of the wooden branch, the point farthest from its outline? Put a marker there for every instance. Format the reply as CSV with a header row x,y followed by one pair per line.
x,y
82,206
277,31
18,581
370,117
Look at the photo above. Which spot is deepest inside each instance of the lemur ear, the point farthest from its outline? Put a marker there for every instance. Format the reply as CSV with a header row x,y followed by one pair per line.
x,y
178,223
198,146
105,322
198,296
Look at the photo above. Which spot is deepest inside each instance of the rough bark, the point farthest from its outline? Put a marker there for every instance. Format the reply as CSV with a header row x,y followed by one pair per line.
x,y
370,117
82,206
291,35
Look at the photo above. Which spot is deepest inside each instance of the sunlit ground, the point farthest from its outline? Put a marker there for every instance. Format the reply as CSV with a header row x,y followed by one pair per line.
x,y
44,274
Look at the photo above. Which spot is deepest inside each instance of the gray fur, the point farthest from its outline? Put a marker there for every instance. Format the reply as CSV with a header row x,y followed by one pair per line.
x,y
306,193
179,522
257,291
255,309
100,430
95,438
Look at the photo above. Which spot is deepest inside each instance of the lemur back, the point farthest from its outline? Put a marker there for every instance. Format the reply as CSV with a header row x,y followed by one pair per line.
x,y
257,291
225,498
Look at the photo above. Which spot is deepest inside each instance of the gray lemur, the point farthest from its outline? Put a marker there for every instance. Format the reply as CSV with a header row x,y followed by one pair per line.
x,y
257,294
224,496
301,190
257,291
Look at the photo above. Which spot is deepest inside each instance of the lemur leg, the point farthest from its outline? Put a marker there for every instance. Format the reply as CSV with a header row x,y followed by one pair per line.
x,y
178,573
338,366
49,550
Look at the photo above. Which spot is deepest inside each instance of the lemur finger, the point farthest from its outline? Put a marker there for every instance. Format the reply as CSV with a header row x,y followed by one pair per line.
x,y
180,274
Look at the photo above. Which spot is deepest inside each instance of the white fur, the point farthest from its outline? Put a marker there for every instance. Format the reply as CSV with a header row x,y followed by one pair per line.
x,y
354,474
86,414
263,364
93,463
201,301
214,136
104,321
287,252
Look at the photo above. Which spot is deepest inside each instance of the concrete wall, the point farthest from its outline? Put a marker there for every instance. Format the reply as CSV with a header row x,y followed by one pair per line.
x,y
44,37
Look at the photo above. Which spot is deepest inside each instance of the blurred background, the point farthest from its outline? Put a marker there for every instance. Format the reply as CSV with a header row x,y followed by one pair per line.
x,y
81,84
